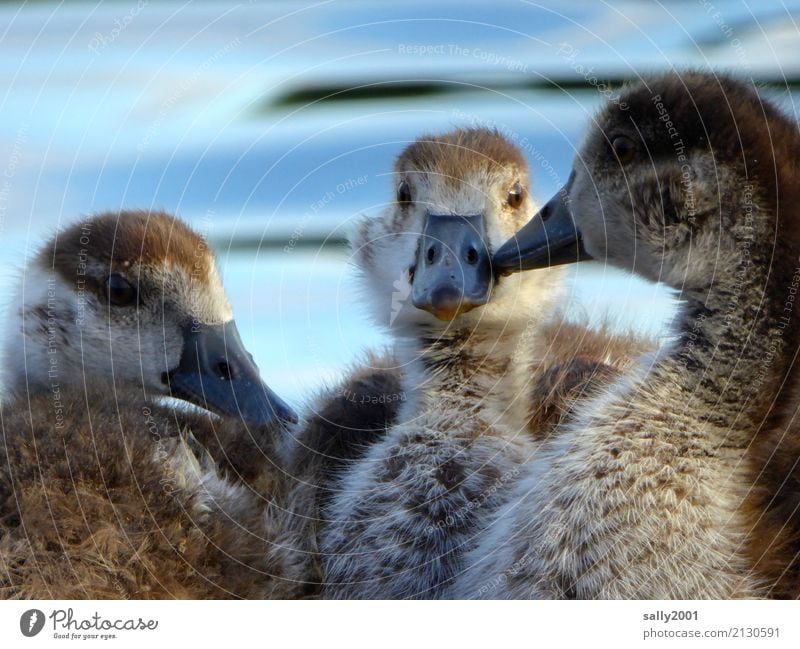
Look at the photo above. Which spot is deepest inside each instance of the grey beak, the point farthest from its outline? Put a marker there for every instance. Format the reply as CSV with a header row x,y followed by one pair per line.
x,y
550,238
453,273
217,373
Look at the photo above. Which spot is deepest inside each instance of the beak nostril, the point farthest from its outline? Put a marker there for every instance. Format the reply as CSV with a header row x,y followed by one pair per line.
x,y
431,255
224,371
471,256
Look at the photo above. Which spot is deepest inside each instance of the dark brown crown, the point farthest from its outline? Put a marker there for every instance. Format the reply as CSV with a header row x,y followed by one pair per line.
x,y
117,241
460,152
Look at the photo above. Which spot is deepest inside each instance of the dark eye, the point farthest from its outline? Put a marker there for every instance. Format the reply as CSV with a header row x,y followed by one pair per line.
x,y
516,195
120,291
624,148
403,193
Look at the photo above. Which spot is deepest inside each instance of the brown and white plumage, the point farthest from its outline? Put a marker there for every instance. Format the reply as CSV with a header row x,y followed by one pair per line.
x,y
106,491
122,503
417,499
645,491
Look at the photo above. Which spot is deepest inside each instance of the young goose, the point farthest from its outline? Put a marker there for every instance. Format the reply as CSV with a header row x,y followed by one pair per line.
x,y
104,493
691,181
400,517
133,299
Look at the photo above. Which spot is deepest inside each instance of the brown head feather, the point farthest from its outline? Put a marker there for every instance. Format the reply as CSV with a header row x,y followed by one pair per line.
x,y
117,241
458,152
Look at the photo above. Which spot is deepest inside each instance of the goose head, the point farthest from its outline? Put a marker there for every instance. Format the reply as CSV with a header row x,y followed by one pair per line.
x,y
134,300
427,260
677,182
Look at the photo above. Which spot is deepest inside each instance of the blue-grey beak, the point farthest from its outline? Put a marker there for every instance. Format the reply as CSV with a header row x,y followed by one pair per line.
x,y
217,373
453,272
550,238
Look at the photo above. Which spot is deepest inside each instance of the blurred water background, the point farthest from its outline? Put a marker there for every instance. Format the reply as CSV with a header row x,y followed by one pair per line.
x,y
270,126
